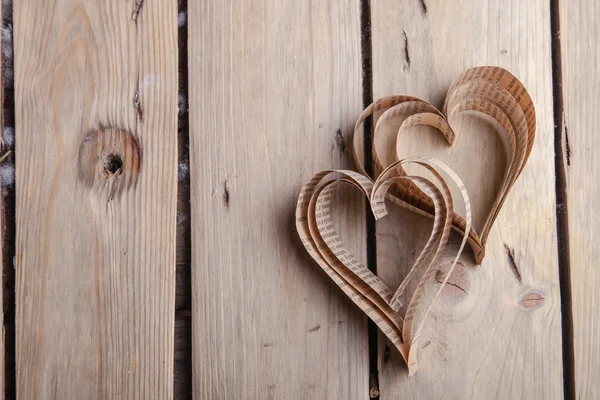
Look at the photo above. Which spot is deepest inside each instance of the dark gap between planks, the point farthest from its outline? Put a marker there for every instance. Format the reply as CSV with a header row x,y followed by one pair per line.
x,y
8,211
367,98
562,216
182,366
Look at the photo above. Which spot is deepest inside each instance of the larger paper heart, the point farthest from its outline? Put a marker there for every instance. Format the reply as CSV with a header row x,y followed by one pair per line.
x,y
490,90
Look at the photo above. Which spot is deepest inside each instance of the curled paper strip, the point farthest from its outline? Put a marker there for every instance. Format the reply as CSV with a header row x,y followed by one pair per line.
x,y
489,90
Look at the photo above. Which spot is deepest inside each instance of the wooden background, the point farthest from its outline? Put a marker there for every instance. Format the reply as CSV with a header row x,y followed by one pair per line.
x,y
160,148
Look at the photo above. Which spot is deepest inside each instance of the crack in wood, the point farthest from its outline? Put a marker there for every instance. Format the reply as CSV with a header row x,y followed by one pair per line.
x,y
137,7
406,63
452,284
567,147
339,140
510,253
386,354
438,279
315,328
137,104
225,194
423,7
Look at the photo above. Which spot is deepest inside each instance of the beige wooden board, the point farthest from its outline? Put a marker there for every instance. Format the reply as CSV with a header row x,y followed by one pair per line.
x,y
489,336
579,32
95,259
274,90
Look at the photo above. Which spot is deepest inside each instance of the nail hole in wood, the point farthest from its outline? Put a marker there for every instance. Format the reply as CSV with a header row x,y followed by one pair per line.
x,y
113,164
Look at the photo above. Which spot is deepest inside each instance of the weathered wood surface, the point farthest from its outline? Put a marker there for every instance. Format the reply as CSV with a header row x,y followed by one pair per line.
x,y
95,246
581,145
491,335
274,89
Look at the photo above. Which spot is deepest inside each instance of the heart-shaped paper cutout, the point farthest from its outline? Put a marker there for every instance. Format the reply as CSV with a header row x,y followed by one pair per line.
x,y
490,90
319,236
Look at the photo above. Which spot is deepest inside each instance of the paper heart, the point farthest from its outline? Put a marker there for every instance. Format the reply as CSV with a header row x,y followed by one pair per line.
x,y
490,90
319,236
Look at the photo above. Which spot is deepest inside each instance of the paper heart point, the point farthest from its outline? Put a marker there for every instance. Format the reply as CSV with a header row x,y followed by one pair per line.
x,y
489,90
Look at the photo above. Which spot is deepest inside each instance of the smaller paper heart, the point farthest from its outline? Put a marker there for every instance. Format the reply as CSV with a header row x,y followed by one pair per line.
x,y
322,241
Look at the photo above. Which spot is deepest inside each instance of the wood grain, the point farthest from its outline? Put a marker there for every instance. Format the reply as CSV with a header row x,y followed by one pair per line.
x,y
274,91
491,334
95,246
580,68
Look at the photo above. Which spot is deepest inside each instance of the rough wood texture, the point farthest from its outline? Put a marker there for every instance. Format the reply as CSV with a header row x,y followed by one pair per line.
x,y
491,335
580,60
95,251
274,92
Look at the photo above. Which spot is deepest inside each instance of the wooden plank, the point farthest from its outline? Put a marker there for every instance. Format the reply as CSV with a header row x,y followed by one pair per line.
x,y
95,89
273,95
491,335
580,58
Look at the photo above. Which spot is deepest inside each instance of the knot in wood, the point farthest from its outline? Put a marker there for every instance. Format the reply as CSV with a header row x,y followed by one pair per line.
x,y
109,161
532,300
